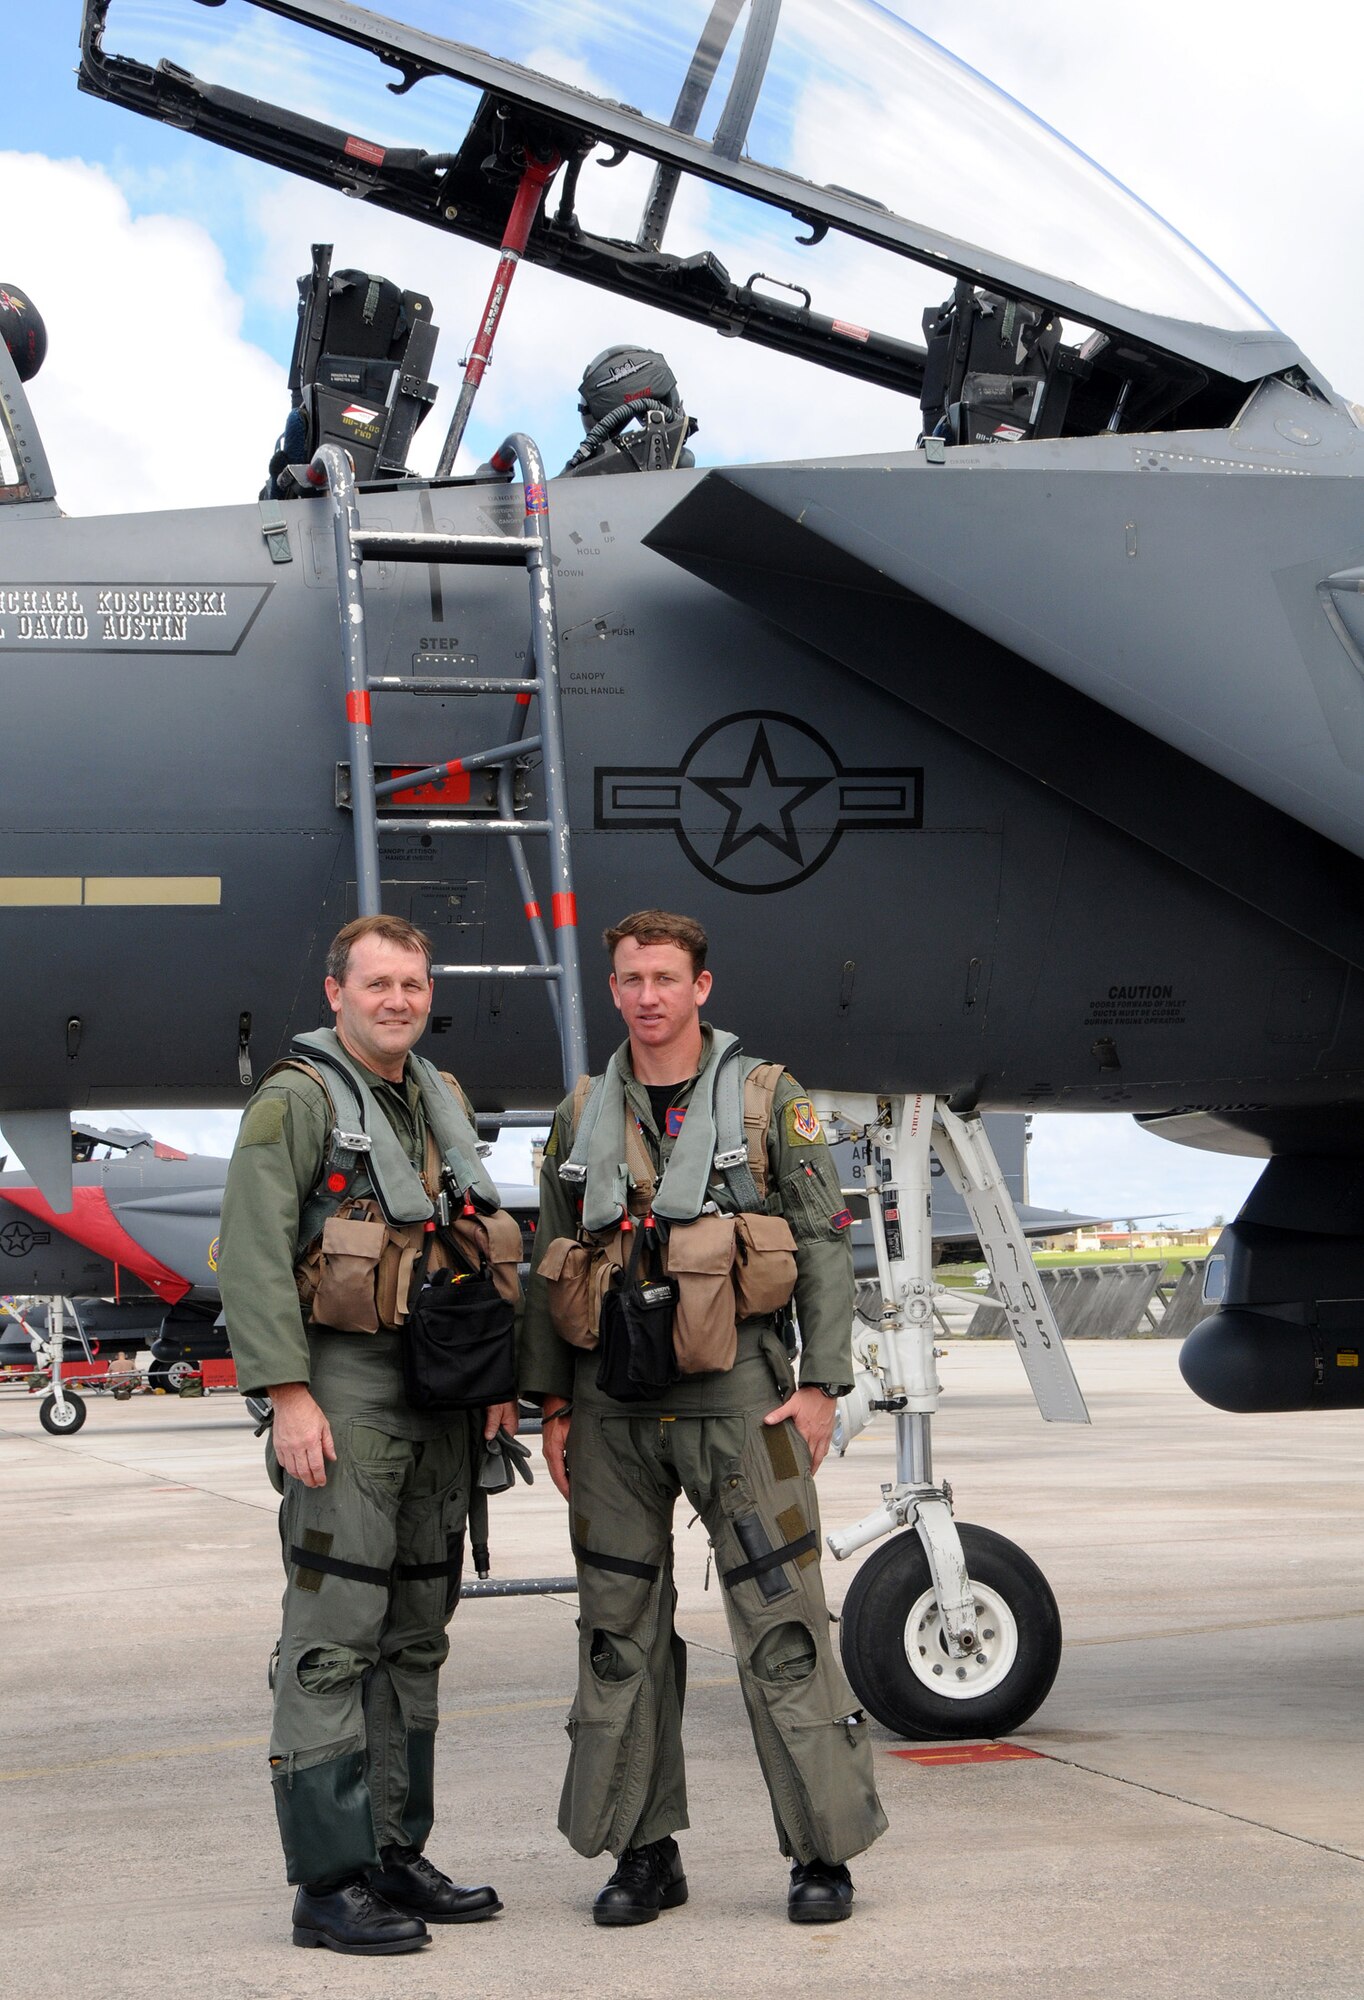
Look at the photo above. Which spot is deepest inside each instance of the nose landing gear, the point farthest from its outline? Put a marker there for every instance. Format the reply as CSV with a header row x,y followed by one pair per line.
x,y
947,1631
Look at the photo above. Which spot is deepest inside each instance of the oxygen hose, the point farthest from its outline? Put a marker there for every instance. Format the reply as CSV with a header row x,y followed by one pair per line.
x,y
607,427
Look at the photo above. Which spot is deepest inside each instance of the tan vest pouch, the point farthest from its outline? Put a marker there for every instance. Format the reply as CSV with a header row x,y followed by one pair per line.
x,y
497,1238
700,1255
566,1268
347,1277
764,1264
393,1280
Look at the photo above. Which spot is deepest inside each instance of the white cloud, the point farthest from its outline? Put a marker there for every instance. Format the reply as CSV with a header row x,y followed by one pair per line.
x,y
1107,1165
149,396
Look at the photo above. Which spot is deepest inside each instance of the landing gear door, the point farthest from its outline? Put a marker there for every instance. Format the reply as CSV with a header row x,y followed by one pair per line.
x,y
969,1162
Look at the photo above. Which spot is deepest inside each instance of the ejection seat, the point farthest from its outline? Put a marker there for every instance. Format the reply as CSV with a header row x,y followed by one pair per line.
x,y
996,371
358,377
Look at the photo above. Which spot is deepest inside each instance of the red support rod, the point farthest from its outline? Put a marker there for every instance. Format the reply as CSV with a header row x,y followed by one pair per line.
x,y
536,178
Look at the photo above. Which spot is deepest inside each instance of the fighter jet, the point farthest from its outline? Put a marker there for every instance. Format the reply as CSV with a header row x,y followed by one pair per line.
x,y
896,722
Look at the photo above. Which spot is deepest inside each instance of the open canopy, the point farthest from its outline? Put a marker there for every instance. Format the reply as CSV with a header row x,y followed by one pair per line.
x,y
799,172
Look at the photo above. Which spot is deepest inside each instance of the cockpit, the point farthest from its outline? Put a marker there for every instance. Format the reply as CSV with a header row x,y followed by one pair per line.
x,y
815,176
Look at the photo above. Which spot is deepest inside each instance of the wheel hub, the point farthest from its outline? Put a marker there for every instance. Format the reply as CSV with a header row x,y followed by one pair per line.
x,y
967,1676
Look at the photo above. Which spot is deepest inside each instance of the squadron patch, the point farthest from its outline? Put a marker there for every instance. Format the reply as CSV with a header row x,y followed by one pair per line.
x,y
841,1221
676,1114
802,1123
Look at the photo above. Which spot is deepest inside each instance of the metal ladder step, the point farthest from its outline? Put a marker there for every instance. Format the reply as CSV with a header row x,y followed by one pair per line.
x,y
400,545
558,968
456,684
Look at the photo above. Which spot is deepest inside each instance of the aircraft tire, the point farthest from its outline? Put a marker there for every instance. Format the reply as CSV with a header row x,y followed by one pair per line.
x,y
891,1639
66,1423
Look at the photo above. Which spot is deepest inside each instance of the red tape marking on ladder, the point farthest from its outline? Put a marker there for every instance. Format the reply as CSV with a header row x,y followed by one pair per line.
x,y
532,909
523,701
971,1753
564,909
357,708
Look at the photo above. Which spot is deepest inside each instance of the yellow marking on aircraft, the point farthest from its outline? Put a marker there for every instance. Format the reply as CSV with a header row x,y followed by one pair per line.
x,y
40,892
36,892
106,891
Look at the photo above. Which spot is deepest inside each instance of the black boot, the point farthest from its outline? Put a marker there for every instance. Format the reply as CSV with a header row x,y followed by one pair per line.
x,y
414,1885
821,1892
647,1879
348,1916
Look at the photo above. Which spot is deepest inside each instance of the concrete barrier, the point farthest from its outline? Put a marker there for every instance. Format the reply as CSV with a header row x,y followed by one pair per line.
x,y
1090,1301
1184,1307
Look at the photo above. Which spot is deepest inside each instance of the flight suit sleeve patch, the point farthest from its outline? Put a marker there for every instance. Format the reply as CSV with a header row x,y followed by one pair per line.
x,y
263,1124
802,1123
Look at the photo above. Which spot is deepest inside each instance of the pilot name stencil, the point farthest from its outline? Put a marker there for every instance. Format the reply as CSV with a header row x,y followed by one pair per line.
x,y
759,801
200,618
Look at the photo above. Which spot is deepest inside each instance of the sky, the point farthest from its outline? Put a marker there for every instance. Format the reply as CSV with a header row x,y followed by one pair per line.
x,y
165,270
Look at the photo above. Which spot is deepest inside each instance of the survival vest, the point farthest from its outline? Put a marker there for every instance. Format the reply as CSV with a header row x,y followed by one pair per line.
x,y
730,1263
363,1227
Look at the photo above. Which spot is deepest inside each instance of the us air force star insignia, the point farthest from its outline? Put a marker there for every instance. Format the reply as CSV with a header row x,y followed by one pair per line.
x,y
18,1238
759,800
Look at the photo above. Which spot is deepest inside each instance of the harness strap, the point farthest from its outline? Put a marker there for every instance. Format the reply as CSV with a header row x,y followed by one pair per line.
x,y
772,1560
334,1566
760,1090
424,1572
380,1578
731,1141
617,1565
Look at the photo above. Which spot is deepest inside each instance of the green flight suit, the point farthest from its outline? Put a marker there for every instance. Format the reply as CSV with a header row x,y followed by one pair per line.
x,y
372,1559
625,1784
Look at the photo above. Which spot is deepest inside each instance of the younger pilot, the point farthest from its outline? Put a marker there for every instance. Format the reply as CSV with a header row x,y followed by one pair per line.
x,y
712,1410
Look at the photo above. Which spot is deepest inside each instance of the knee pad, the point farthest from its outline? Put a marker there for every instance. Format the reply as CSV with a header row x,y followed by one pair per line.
x,y
614,1658
787,1653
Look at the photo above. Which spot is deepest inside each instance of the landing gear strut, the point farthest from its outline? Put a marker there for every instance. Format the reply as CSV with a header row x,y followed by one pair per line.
x,y
950,1631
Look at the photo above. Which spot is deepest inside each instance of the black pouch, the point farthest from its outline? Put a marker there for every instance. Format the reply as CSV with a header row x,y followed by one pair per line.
x,y
638,1362
459,1345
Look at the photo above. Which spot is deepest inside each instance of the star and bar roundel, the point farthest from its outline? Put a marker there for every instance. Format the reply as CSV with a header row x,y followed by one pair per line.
x,y
759,800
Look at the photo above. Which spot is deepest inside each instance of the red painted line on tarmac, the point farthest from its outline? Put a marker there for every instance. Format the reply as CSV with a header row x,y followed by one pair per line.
x,y
971,1753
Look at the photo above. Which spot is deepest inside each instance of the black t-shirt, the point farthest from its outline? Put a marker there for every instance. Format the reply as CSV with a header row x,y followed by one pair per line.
x,y
660,1096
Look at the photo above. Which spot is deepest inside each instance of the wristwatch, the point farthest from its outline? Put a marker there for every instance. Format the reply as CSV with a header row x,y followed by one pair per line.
x,y
832,1390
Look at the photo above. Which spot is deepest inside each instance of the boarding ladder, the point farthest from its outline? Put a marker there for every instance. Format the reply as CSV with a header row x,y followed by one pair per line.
x,y
556,964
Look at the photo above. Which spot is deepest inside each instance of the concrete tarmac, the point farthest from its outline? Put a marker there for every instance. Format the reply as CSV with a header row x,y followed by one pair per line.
x,y
1194,1824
